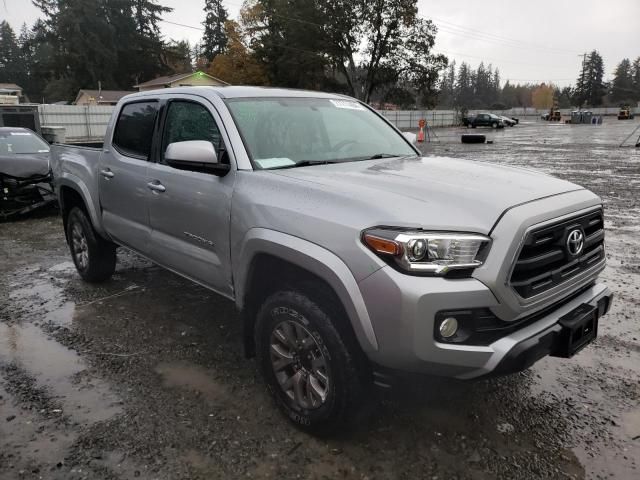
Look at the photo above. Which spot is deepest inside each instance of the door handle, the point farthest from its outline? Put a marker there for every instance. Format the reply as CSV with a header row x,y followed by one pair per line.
x,y
156,187
107,173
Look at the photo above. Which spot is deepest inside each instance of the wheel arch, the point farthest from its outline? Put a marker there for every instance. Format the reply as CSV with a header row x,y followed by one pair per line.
x,y
265,253
71,194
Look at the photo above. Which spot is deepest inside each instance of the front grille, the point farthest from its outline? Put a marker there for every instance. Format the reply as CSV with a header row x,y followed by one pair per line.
x,y
545,260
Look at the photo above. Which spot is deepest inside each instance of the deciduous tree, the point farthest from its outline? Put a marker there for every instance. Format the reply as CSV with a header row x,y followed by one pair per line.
x,y
237,65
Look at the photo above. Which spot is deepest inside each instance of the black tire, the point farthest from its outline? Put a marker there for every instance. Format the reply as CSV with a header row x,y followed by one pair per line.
x,y
473,138
93,256
494,125
473,126
346,369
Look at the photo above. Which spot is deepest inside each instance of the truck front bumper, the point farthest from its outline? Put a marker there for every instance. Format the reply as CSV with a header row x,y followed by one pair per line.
x,y
403,318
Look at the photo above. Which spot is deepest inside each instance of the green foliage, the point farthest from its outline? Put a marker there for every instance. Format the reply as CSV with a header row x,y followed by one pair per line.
x,y
590,86
214,40
84,43
363,48
9,54
622,90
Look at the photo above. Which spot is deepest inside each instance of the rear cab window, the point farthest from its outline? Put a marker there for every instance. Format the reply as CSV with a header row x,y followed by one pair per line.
x,y
133,134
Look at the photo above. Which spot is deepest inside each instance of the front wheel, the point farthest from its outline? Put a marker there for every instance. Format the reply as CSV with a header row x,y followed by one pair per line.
x,y
494,125
316,376
94,257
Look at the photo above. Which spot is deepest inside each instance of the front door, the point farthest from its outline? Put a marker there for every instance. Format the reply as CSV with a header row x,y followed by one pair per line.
x,y
122,175
189,212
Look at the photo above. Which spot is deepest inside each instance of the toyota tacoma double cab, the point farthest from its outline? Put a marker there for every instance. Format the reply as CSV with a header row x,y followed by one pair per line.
x,y
349,255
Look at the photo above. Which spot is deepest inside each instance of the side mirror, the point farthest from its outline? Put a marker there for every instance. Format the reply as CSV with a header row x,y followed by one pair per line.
x,y
411,137
195,156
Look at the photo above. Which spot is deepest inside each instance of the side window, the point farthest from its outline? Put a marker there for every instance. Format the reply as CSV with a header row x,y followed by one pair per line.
x,y
190,121
134,129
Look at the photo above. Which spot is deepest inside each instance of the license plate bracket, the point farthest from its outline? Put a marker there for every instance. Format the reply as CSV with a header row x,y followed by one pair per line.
x,y
579,328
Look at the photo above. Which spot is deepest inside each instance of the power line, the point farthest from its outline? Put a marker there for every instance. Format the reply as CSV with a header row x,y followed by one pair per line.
x,y
491,36
315,53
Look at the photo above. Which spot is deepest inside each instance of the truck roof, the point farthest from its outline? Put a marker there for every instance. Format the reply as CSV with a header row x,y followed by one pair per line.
x,y
233,91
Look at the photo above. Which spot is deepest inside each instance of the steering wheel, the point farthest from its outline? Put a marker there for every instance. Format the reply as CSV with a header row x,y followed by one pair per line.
x,y
344,143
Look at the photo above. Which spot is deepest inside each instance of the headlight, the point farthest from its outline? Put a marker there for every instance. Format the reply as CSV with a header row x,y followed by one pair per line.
x,y
434,253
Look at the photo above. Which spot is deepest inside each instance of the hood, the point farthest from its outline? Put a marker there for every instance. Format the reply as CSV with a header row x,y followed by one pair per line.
x,y
432,192
24,165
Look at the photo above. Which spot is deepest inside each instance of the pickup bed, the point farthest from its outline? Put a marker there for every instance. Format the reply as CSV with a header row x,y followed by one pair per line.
x,y
349,256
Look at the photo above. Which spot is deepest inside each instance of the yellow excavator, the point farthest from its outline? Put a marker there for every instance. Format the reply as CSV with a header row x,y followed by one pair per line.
x,y
625,113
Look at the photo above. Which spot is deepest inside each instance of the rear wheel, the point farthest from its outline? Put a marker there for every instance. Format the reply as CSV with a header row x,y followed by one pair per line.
x,y
94,257
316,376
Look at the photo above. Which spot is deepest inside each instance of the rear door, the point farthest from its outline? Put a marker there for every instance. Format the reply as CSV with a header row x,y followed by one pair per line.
x,y
190,211
123,175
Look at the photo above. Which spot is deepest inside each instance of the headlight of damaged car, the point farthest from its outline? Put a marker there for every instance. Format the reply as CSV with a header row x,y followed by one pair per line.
x,y
428,253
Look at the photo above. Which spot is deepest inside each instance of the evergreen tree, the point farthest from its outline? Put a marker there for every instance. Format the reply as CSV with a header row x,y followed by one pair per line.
x,y
635,78
10,69
446,98
622,85
590,87
112,42
214,40
179,56
465,87
495,89
148,14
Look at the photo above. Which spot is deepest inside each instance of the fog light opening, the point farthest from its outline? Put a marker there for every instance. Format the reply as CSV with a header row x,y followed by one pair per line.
x,y
448,327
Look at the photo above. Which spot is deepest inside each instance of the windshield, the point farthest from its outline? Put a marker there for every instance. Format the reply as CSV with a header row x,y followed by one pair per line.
x,y
21,142
289,132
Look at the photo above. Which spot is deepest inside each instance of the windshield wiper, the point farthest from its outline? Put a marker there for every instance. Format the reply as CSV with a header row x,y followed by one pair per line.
x,y
304,163
383,155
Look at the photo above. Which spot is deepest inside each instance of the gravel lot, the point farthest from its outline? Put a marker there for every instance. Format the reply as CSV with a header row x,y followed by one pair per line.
x,y
144,376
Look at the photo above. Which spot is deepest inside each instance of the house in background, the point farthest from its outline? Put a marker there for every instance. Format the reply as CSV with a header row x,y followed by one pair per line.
x,y
99,97
10,94
181,80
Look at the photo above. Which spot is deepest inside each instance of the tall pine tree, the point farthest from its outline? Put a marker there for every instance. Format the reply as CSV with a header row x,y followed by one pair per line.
x,y
590,87
622,85
10,69
214,40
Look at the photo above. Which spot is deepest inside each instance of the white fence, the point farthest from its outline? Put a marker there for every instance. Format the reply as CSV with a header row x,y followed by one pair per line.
x,y
81,122
404,119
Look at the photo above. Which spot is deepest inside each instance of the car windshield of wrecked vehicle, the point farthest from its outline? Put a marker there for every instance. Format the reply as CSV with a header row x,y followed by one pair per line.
x,y
295,132
21,143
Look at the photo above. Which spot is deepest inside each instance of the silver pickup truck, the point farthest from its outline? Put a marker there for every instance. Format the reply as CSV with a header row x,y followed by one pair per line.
x,y
349,256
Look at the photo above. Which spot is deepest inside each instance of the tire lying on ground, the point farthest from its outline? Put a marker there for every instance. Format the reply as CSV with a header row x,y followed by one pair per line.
x,y
473,138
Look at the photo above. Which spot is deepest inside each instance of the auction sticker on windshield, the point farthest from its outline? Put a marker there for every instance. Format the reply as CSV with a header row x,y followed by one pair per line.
x,y
274,162
347,104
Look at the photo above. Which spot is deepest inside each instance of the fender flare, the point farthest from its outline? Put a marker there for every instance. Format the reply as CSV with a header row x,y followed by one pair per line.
x,y
315,259
69,180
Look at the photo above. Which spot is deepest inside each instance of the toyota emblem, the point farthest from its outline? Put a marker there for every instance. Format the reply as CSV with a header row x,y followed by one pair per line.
x,y
575,242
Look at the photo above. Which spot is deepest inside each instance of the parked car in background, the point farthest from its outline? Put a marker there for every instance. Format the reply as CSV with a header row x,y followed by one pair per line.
x,y
349,255
483,120
25,175
509,122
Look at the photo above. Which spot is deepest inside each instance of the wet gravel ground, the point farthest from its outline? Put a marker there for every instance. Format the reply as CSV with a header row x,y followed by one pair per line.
x,y
144,376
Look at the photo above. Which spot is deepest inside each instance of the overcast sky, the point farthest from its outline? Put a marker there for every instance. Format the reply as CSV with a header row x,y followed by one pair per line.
x,y
528,41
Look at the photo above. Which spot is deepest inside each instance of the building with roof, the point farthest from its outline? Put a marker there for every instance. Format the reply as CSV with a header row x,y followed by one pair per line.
x,y
181,80
10,94
99,97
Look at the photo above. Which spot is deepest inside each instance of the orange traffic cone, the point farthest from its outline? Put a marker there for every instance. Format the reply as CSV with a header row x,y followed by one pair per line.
x,y
421,135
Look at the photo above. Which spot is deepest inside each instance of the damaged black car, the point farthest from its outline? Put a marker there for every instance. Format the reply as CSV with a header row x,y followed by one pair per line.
x,y
25,174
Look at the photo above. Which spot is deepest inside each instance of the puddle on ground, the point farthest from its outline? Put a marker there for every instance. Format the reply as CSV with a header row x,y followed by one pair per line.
x,y
29,436
193,378
48,297
58,369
